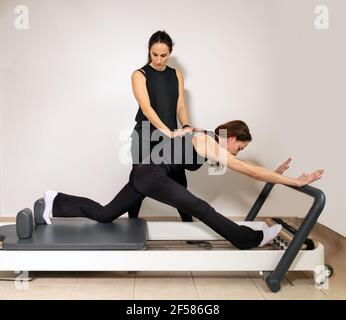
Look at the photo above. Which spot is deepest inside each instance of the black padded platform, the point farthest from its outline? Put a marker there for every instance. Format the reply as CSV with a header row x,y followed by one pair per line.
x,y
79,234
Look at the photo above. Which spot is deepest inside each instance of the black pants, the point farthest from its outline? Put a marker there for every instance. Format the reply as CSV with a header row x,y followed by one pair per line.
x,y
138,155
155,181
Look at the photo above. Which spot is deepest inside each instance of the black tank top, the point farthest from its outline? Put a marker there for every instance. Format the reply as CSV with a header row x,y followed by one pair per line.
x,y
179,152
163,90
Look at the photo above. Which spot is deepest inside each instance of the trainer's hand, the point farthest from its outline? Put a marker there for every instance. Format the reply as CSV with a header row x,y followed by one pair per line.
x,y
282,168
188,129
198,129
177,133
304,179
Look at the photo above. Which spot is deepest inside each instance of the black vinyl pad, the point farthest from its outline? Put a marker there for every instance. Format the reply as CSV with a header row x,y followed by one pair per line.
x,y
79,234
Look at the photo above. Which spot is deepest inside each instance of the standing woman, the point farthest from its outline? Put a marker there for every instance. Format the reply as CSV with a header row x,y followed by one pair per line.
x,y
159,91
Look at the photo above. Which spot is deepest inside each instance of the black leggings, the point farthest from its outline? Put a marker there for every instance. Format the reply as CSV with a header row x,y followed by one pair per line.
x,y
178,177
155,182
138,155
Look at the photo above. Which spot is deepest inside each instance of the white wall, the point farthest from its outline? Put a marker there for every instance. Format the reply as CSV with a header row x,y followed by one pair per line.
x,y
66,95
1,138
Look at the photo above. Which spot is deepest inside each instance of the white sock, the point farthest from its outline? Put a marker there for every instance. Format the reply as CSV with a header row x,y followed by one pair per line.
x,y
49,197
270,233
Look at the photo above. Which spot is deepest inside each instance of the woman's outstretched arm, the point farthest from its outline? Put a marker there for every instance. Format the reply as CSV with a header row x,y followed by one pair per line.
x,y
207,147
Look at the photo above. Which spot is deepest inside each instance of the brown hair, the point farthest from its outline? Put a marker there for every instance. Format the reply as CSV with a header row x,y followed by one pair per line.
x,y
159,37
235,128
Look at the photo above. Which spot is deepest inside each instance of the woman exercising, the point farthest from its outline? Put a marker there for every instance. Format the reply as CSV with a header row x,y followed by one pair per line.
x,y
156,180
159,91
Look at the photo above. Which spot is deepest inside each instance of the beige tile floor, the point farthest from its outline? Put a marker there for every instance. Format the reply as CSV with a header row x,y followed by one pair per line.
x,y
167,286
183,285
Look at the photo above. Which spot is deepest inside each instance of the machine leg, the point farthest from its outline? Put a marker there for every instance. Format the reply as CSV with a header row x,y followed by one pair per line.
x,y
272,283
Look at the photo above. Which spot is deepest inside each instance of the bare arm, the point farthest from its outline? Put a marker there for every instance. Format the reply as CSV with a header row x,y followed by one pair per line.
x,y
249,163
182,112
280,169
209,148
141,94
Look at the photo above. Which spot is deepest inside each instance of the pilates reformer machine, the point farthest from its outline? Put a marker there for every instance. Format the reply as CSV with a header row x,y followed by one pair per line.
x,y
78,244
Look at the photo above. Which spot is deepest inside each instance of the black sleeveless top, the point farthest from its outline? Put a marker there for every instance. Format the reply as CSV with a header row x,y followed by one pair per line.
x,y
179,153
163,90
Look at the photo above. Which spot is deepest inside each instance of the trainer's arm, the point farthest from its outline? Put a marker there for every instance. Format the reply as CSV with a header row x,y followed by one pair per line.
x,y
141,94
207,147
182,112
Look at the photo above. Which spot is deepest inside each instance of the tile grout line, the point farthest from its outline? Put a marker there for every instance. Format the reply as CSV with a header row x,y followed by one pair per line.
x,y
134,286
194,283
70,293
259,289
326,294
73,288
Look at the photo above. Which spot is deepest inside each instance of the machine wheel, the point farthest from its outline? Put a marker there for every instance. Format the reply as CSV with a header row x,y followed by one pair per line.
x,y
329,270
